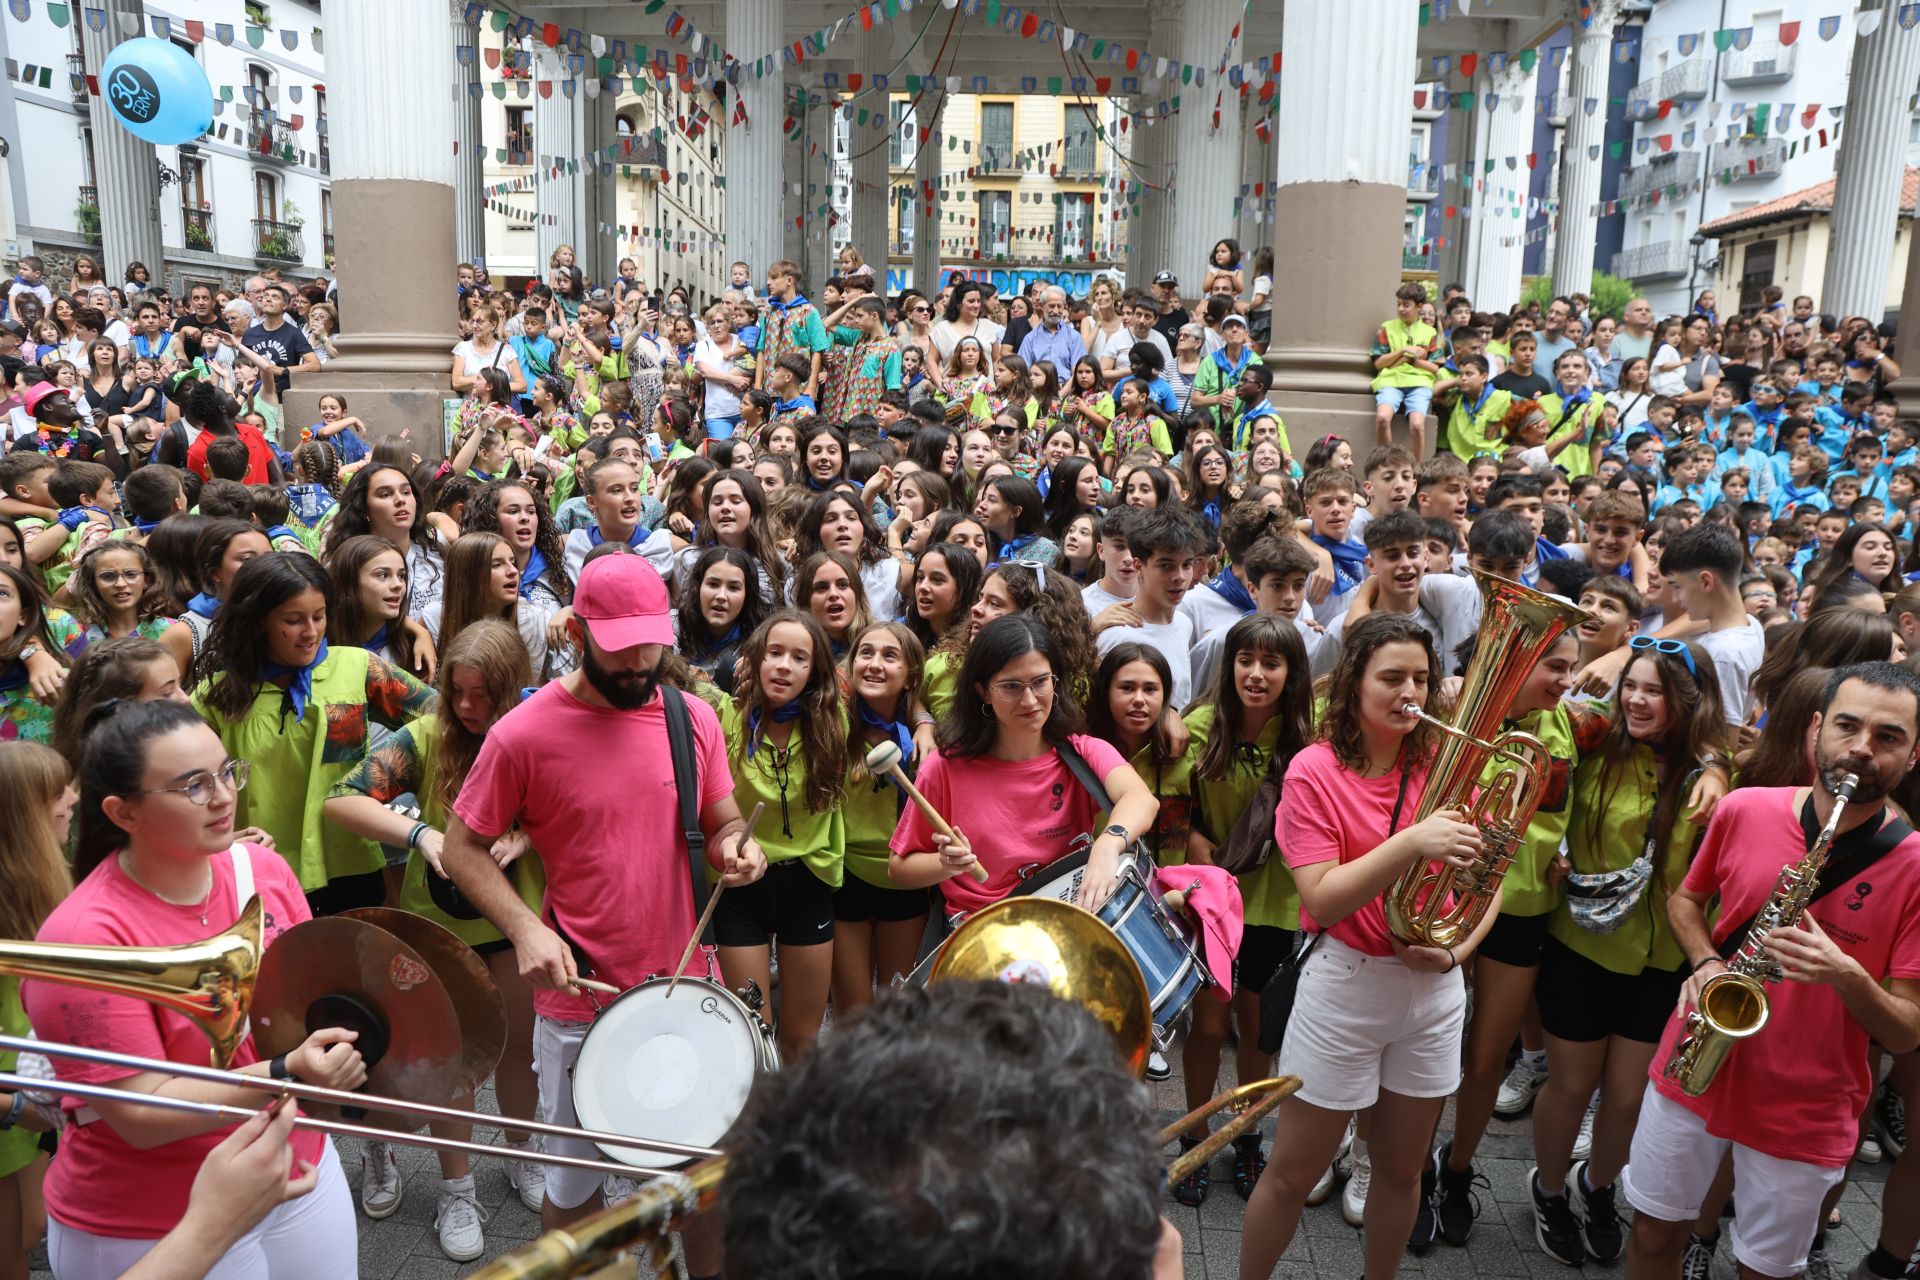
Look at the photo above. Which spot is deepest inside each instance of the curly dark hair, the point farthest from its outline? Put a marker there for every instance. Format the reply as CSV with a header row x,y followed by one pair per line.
x,y
483,516
1051,599
1016,1103
1340,723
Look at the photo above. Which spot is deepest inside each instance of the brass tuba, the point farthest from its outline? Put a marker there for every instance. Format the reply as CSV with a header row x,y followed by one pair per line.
x,y
209,982
1436,905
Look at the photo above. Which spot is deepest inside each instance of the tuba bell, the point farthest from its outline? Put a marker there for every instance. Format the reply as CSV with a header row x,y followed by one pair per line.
x,y
208,982
1433,904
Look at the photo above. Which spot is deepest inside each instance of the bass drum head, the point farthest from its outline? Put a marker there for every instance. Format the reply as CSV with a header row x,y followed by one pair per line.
x,y
678,1070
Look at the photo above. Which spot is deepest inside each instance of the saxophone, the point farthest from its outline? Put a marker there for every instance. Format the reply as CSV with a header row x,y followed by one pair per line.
x,y
1733,1003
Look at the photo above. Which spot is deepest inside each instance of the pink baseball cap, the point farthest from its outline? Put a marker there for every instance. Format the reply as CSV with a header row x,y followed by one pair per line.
x,y
1213,905
623,602
40,391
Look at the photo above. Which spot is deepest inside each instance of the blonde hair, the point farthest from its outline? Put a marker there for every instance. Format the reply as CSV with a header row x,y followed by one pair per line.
x,y
32,863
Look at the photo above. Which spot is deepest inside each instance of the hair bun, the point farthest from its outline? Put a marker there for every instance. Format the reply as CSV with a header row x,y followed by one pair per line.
x,y
104,712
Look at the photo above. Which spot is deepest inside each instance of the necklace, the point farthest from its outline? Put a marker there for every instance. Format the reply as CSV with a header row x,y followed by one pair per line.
x,y
206,899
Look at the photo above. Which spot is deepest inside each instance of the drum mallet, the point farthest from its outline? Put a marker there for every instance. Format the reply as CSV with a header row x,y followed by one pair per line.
x,y
885,758
713,900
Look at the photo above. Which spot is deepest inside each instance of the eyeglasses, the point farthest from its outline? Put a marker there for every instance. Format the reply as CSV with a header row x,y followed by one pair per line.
x,y
1016,690
199,789
1005,431
1679,648
922,311
113,577
1768,596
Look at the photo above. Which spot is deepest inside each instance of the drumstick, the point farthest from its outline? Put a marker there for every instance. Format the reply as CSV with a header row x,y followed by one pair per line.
x,y
588,984
713,900
885,758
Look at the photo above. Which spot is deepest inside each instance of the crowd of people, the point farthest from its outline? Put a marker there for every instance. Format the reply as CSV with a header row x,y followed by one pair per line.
x,y
1018,539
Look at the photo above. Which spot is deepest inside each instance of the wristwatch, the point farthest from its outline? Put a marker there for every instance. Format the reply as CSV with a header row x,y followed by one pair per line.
x,y
1115,829
29,650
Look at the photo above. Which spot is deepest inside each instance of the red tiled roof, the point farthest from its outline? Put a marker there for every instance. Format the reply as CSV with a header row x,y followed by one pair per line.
x,y
1815,199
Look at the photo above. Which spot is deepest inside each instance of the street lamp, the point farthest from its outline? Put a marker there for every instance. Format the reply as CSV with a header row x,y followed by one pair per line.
x,y
1695,266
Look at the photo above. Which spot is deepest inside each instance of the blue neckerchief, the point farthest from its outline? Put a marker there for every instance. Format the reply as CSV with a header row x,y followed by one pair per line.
x,y
204,605
1349,562
300,688
1211,511
378,644
1578,398
310,502
1012,546
1486,393
1547,549
1227,585
897,729
536,565
275,532
145,526
819,486
799,300
779,715
634,539
794,405
1232,370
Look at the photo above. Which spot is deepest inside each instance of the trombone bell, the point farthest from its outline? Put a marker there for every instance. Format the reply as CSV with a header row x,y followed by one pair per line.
x,y
208,982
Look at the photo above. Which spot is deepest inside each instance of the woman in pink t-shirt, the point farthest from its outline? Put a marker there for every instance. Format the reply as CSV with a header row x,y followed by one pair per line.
x,y
159,868
1375,1023
999,780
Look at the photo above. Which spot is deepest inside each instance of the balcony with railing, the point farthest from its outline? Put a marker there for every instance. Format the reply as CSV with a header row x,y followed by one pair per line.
x,y
273,138
1660,259
1686,81
277,241
77,78
198,224
1762,62
1751,159
1659,172
86,213
1423,180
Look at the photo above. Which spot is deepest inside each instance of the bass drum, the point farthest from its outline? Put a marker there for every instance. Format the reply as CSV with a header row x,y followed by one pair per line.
x,y
677,1070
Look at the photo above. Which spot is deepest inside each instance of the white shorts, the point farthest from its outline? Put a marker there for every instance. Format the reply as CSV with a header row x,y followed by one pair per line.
x,y
1674,1160
1365,1023
311,1238
555,1047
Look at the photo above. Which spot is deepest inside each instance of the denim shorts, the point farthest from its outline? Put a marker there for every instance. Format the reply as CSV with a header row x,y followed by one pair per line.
x,y
722,428
1406,399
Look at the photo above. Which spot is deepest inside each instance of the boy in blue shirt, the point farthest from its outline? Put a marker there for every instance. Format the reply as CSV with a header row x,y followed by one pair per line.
x,y
534,350
1687,466
1802,485
1768,411
1863,458
1826,383
1717,421
1839,424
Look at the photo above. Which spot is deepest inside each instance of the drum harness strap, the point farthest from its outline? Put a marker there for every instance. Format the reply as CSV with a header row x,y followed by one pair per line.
x,y
686,786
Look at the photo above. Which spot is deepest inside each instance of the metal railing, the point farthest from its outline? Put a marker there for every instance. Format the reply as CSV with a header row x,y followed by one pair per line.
x,y
277,241
1684,81
199,228
1762,62
1751,159
1657,260
1651,175
272,138
77,78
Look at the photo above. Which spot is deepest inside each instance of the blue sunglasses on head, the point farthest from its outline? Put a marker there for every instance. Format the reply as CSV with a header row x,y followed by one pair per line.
x,y
1642,643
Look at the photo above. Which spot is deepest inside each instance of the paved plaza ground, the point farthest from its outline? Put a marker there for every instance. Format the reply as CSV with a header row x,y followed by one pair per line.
x,y
404,1247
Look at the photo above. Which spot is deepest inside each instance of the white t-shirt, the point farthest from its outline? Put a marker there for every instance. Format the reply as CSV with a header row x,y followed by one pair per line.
x,y
1173,639
1736,654
1448,610
1097,598
721,401
1124,341
1262,285
501,358
947,336
1209,610
1671,382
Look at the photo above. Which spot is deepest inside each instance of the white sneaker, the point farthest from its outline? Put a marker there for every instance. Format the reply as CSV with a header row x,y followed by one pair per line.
x,y
1869,1151
529,1179
1324,1188
1157,1068
617,1190
459,1219
380,1185
1583,1144
1518,1090
1353,1200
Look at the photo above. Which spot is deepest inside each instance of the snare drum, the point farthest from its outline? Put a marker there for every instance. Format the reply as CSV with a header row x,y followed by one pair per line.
x,y
678,1070
1159,939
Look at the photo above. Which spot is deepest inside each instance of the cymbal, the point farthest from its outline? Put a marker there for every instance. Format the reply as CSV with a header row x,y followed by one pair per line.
x,y
339,972
1062,947
470,986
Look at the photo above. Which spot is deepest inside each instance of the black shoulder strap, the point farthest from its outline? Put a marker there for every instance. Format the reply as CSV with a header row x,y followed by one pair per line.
x,y
1083,772
686,784
1870,850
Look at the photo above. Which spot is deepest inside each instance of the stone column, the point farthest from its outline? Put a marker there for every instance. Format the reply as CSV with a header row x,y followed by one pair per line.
x,y
1499,225
556,142
1906,347
393,219
1147,231
867,149
1207,147
1582,150
1250,225
928,213
792,244
1341,194
753,145
822,175
469,161
126,172
598,250
1866,189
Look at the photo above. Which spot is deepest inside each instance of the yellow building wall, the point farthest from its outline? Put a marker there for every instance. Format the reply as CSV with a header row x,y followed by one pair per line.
x,y
1800,261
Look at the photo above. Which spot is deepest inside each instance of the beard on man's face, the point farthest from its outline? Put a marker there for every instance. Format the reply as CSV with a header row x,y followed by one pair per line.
x,y
1871,788
624,690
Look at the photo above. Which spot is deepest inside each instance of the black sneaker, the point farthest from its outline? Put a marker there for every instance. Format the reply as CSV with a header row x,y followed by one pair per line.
x,y
1456,1204
1426,1223
1600,1227
1554,1225
1192,1189
1890,1117
1697,1262
1248,1165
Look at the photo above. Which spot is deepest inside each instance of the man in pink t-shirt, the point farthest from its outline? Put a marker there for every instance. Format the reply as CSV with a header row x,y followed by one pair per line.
x,y
584,768
1787,1100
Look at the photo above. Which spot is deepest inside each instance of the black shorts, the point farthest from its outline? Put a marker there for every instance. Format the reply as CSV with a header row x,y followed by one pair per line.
x,y
1263,947
1584,1002
1516,940
789,903
349,893
858,902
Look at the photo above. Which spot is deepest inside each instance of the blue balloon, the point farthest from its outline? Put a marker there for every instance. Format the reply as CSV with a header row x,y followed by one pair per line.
x,y
156,90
